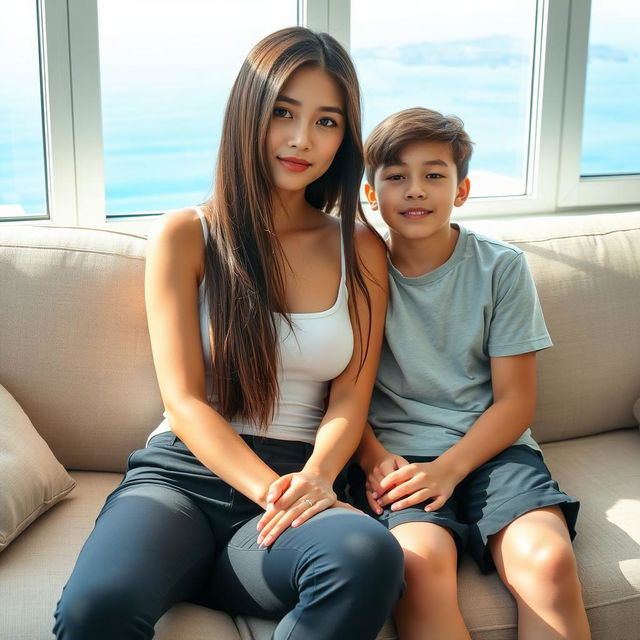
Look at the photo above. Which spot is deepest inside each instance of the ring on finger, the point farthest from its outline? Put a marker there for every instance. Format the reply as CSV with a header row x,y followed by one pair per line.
x,y
309,502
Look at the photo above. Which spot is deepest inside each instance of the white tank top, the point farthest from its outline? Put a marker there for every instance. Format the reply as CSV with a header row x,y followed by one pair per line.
x,y
314,353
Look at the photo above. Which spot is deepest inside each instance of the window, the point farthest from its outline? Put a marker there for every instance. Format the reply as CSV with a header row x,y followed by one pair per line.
x,y
611,131
599,135
22,166
474,60
110,109
166,68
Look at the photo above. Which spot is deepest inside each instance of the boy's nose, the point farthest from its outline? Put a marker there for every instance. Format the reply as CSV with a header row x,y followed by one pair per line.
x,y
415,193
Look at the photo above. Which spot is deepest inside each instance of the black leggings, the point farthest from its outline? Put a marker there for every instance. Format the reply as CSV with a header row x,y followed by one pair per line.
x,y
173,531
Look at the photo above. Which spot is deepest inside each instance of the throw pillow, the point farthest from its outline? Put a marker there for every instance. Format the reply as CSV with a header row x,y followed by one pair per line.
x,y
31,479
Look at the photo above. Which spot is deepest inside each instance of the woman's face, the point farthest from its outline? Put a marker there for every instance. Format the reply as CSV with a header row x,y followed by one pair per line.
x,y
307,127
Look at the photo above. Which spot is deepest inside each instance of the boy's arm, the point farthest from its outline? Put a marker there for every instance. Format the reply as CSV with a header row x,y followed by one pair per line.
x,y
376,463
512,411
369,450
513,380
517,318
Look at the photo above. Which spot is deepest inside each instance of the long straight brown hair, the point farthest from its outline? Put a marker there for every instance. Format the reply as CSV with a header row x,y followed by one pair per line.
x,y
245,282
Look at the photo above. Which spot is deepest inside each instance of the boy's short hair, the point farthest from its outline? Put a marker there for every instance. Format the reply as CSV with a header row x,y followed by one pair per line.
x,y
385,143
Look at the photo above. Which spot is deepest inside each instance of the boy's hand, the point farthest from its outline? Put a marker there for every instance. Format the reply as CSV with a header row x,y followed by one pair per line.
x,y
417,482
375,471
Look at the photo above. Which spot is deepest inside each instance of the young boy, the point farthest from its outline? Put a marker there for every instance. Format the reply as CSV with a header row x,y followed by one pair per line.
x,y
449,463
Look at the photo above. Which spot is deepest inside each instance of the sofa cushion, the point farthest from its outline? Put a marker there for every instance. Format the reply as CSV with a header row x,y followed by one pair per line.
x,y
36,566
75,348
31,478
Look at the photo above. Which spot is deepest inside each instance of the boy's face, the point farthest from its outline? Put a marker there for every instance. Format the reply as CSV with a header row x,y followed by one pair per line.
x,y
416,196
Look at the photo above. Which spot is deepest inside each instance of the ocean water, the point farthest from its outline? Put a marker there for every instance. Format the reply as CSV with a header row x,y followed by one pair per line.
x,y
160,145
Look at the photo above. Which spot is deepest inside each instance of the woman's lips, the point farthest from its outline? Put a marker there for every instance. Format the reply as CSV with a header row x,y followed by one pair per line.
x,y
294,164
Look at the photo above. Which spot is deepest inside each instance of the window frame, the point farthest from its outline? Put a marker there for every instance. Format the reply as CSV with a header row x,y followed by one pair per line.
x,y
575,190
57,113
70,71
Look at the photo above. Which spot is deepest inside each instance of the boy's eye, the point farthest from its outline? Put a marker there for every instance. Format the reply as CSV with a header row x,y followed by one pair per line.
x,y
281,112
432,176
327,122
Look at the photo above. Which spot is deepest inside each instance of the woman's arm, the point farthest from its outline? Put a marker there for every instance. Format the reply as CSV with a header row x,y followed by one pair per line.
x,y
341,428
174,267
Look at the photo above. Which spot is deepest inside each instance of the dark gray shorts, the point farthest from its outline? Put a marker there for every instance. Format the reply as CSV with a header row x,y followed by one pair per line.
x,y
487,500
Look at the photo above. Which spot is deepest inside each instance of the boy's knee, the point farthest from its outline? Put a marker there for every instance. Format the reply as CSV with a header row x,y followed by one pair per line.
x,y
548,567
554,565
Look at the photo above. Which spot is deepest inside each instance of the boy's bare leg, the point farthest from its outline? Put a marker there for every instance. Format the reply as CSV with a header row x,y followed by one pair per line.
x,y
429,608
534,558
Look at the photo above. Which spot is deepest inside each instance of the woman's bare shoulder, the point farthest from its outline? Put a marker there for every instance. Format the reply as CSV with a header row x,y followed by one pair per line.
x,y
370,247
180,225
180,233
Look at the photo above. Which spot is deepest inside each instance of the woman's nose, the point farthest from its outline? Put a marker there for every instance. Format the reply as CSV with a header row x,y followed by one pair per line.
x,y
300,138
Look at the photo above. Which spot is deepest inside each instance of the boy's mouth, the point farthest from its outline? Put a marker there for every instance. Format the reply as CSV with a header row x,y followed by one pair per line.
x,y
416,212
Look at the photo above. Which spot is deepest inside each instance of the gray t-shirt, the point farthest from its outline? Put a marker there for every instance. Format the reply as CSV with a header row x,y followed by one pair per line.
x,y
442,328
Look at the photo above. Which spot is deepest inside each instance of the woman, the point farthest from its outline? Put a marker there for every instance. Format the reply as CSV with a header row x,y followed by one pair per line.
x,y
266,316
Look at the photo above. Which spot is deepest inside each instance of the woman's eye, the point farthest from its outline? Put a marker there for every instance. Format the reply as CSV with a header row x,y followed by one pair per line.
x,y
395,177
281,112
327,122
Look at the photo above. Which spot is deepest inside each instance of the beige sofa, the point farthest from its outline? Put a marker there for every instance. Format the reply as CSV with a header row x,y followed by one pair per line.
x,y
75,355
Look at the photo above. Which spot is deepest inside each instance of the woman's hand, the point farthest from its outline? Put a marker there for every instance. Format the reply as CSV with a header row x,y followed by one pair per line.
x,y
417,482
375,471
293,499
